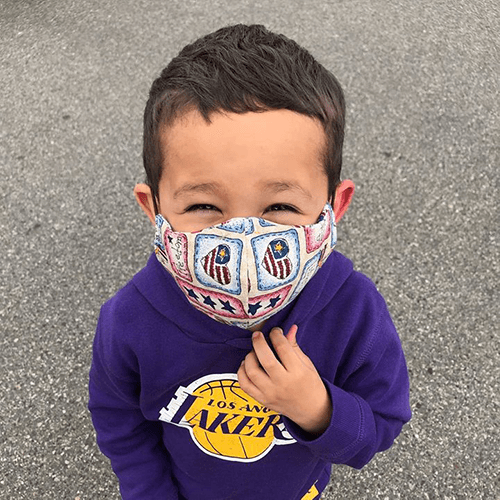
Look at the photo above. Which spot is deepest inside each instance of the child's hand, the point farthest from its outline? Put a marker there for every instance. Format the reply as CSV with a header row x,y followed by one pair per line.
x,y
292,387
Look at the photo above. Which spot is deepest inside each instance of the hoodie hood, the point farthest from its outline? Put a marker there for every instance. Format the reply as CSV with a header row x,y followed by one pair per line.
x,y
158,287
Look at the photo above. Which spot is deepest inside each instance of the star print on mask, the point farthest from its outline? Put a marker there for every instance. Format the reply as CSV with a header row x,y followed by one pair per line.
x,y
253,308
273,301
207,300
191,293
226,306
231,308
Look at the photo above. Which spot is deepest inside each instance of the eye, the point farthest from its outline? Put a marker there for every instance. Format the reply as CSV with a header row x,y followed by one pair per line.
x,y
201,207
280,207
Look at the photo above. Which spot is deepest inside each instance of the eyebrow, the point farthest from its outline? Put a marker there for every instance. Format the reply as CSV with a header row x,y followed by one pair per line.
x,y
204,187
280,186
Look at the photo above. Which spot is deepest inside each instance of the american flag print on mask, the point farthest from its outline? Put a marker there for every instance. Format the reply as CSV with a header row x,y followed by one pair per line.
x,y
215,264
276,261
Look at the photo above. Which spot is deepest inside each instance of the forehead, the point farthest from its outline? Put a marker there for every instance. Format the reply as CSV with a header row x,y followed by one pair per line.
x,y
276,144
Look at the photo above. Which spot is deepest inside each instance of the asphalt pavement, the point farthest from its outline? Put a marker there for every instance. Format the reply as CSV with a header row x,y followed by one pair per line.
x,y
422,146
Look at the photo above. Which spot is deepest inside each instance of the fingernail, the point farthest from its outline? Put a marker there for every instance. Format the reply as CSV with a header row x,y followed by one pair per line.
x,y
278,329
255,335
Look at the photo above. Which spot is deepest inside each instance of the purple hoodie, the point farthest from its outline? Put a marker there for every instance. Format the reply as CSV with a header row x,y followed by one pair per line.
x,y
169,413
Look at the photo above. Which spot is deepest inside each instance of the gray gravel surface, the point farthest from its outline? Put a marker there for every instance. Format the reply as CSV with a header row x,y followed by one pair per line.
x,y
422,85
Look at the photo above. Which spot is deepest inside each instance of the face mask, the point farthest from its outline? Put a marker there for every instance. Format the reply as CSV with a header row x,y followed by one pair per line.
x,y
245,270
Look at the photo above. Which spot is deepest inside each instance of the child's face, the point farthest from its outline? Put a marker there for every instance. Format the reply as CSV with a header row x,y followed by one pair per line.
x,y
254,164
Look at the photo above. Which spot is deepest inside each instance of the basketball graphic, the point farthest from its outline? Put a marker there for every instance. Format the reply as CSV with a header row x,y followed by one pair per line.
x,y
224,421
228,394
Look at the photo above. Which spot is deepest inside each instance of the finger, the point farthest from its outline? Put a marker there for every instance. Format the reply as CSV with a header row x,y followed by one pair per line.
x,y
292,338
292,335
286,352
255,372
247,385
265,356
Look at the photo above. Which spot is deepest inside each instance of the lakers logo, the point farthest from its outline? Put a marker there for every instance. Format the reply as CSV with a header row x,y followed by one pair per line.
x,y
224,421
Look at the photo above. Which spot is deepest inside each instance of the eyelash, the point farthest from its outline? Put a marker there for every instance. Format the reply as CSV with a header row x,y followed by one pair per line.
x,y
203,207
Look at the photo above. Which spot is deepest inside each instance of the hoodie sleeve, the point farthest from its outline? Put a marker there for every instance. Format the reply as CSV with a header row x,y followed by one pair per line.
x,y
369,406
132,443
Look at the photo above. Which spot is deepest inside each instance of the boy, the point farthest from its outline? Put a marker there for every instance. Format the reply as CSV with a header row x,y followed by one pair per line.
x,y
247,356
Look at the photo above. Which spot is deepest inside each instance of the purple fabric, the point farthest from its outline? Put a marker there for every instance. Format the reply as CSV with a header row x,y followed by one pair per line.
x,y
151,344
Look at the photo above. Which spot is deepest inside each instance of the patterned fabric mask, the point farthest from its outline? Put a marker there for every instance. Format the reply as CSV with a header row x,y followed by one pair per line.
x,y
244,270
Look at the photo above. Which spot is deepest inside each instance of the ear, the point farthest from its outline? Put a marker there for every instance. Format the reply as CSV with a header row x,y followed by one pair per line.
x,y
144,197
343,197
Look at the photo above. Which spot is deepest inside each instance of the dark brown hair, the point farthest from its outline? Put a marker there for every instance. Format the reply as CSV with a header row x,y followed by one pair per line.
x,y
238,69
